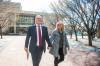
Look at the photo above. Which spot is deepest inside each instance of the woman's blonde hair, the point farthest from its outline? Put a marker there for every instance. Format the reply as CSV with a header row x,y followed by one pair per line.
x,y
61,23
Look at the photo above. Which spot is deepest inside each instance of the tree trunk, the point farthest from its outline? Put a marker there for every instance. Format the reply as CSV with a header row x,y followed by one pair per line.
x,y
82,34
75,34
1,31
70,34
89,39
93,34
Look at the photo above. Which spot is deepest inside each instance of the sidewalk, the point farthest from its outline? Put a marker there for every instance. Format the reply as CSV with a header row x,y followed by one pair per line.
x,y
5,42
14,55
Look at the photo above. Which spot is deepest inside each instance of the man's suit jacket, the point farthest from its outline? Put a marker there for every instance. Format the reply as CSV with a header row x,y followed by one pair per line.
x,y
31,38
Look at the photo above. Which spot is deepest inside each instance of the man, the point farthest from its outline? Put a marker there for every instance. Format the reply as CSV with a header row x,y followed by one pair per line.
x,y
35,39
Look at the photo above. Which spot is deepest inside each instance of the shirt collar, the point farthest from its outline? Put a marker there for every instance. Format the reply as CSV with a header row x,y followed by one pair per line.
x,y
38,25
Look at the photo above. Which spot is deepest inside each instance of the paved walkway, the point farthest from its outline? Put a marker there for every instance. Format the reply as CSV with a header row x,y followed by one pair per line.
x,y
14,55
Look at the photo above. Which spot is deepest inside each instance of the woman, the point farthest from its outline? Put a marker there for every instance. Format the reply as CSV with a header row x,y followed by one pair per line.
x,y
59,42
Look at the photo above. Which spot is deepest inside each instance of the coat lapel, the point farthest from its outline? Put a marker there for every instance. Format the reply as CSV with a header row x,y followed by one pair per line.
x,y
42,32
35,32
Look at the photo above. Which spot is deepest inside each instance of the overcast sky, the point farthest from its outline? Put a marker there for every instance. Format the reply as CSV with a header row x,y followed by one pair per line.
x,y
36,5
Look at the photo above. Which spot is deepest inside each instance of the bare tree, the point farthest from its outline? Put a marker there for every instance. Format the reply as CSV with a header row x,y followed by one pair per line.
x,y
7,14
63,13
85,11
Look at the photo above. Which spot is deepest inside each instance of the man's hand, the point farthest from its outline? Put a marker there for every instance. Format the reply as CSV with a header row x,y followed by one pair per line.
x,y
49,48
27,52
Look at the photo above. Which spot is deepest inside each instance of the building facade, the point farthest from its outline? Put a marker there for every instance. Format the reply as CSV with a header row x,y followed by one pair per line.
x,y
8,12
23,21
20,20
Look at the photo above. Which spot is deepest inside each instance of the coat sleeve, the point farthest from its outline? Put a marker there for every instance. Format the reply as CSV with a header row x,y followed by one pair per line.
x,y
47,38
66,41
28,37
52,38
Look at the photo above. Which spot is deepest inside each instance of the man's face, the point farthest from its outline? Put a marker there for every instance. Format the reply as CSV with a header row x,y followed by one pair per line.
x,y
39,20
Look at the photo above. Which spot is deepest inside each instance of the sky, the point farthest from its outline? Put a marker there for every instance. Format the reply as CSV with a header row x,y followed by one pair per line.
x,y
36,5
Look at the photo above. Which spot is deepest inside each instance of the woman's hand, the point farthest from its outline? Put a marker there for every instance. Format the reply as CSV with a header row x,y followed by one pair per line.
x,y
68,48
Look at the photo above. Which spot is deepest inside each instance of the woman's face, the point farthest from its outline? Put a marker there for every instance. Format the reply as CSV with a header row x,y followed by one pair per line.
x,y
59,26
